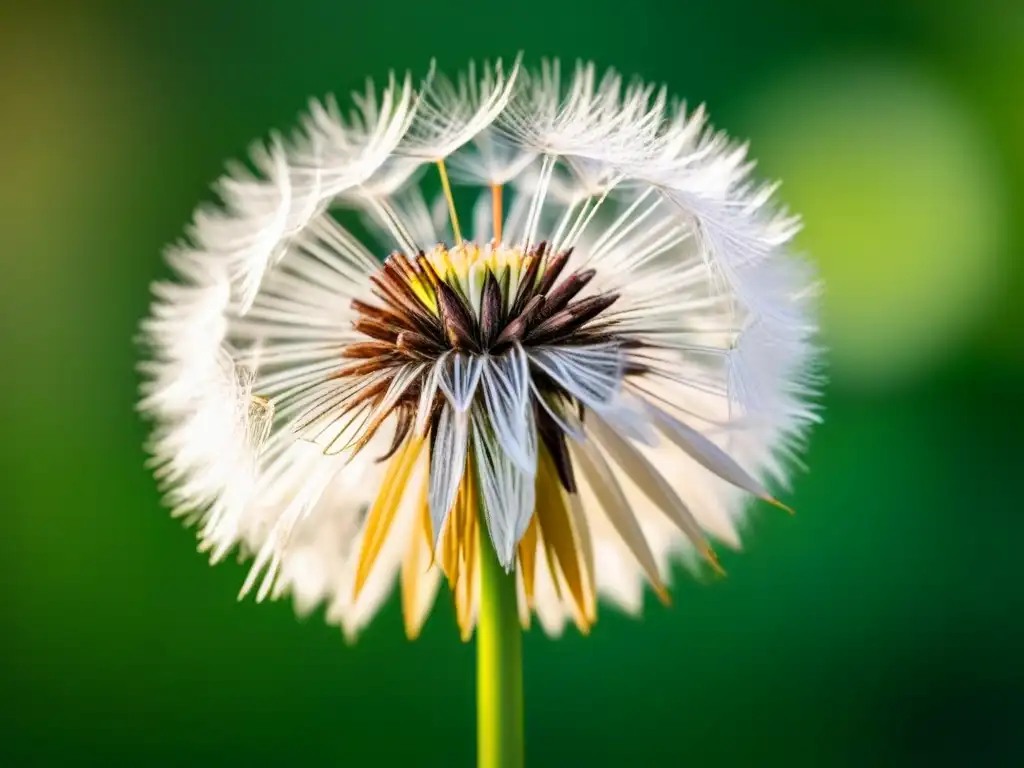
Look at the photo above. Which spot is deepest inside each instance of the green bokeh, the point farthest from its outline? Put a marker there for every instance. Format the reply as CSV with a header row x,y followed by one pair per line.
x,y
904,208
880,626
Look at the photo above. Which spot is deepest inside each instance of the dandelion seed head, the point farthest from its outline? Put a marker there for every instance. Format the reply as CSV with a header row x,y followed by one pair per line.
x,y
599,363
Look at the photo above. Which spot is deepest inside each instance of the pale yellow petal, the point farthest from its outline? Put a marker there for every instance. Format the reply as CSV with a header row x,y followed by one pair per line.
x,y
383,511
555,529
420,578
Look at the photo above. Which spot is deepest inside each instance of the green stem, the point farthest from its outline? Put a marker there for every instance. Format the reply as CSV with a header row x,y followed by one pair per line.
x,y
499,665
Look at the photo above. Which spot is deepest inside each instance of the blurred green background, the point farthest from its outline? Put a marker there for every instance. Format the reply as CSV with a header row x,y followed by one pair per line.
x,y
880,626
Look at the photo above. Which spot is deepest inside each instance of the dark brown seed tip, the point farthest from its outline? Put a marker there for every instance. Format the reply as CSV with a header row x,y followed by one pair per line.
x,y
458,323
553,269
375,329
567,290
516,329
490,311
592,306
366,349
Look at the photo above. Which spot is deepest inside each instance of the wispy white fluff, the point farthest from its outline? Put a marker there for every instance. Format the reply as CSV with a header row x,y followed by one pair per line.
x,y
449,115
582,119
492,158
259,214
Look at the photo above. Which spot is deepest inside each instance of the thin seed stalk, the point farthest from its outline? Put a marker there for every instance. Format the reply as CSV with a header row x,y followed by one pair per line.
x,y
499,664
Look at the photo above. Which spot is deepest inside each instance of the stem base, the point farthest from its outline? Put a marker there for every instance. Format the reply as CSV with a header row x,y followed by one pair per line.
x,y
499,664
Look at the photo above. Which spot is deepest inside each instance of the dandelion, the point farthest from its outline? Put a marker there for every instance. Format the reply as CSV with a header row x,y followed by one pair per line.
x,y
543,395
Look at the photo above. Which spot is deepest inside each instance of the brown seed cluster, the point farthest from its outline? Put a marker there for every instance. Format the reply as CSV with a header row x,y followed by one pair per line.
x,y
422,315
